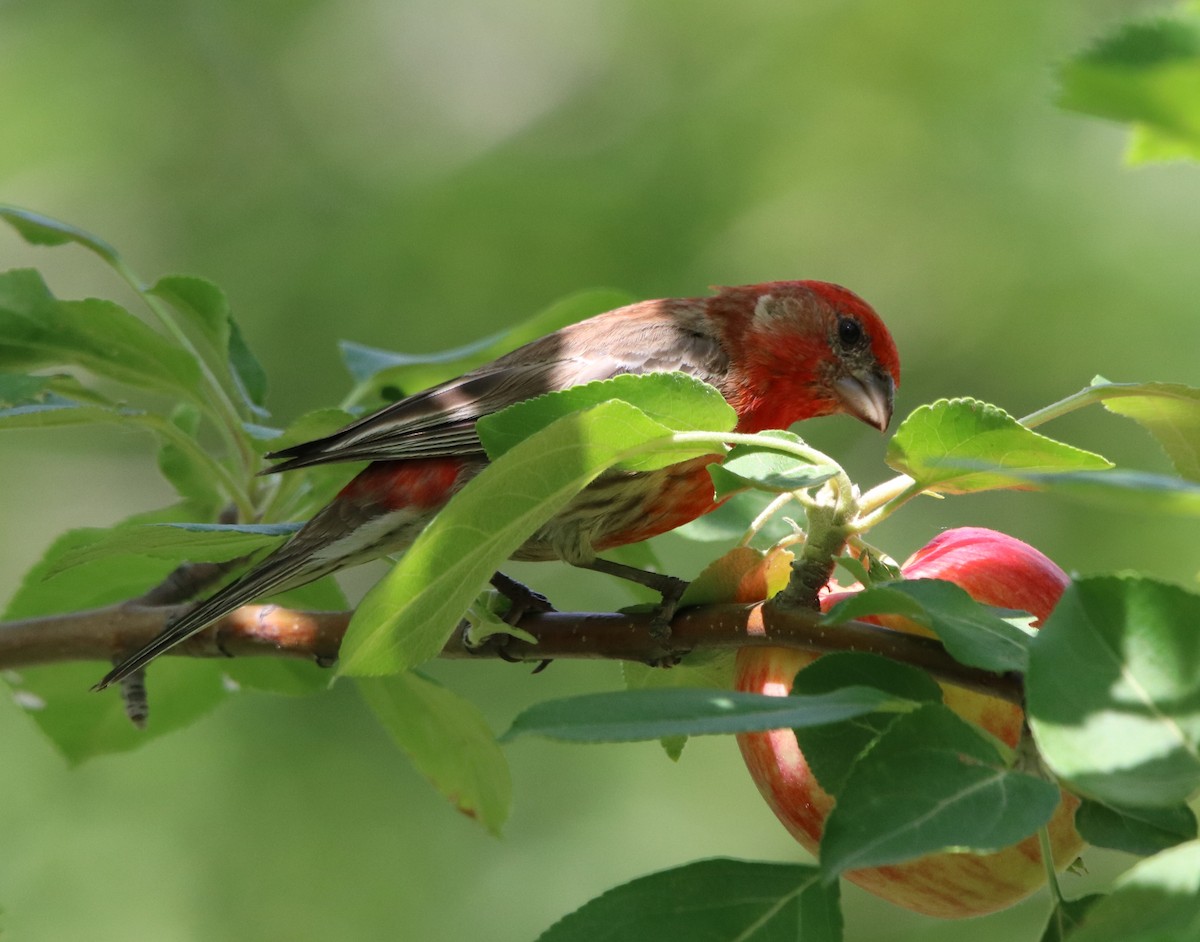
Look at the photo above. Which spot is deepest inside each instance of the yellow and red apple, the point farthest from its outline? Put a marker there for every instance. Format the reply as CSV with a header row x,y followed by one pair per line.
x,y
993,568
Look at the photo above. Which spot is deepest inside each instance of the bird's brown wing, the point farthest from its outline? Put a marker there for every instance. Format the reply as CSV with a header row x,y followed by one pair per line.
x,y
440,421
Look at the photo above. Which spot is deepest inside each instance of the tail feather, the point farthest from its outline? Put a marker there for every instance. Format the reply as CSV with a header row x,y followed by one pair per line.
x,y
274,575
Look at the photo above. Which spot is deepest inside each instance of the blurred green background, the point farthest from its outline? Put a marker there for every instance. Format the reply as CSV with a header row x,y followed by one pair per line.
x,y
417,174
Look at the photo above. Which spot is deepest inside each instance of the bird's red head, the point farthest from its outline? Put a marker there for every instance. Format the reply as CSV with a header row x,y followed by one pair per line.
x,y
803,349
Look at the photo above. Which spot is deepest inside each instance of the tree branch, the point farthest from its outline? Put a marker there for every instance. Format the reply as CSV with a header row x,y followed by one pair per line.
x,y
271,630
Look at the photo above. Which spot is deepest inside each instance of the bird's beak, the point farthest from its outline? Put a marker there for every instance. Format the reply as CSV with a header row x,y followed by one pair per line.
x,y
867,395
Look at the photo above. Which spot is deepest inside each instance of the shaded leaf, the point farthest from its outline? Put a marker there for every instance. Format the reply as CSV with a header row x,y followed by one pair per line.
x,y
958,446
192,479
932,782
376,370
82,724
178,542
1141,831
731,520
710,901
832,749
624,716
1066,917
973,633
447,739
762,468
37,229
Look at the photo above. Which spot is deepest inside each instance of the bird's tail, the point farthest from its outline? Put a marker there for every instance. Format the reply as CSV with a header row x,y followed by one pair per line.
x,y
284,570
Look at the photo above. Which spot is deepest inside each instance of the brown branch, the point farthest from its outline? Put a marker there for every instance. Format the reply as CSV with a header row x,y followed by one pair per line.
x,y
270,630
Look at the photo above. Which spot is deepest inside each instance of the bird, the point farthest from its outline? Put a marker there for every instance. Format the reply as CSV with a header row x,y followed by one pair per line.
x,y
778,352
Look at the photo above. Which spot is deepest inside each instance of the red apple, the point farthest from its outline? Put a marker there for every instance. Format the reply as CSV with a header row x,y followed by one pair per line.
x,y
996,569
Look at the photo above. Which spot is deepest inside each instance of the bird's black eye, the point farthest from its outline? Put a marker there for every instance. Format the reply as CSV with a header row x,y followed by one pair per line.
x,y
850,332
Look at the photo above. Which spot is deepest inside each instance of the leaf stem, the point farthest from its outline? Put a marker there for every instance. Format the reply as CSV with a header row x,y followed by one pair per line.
x,y
1085,397
883,500
777,504
188,444
228,419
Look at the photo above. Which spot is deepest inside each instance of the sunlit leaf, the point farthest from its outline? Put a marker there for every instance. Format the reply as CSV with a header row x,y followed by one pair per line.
x,y
41,331
1146,74
1113,690
957,446
674,400
1158,900
1168,411
1141,831
406,618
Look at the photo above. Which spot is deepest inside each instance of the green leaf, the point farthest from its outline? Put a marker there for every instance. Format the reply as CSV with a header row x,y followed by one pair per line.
x,y
675,401
931,783
82,724
766,469
19,389
715,673
58,697
1134,492
1141,831
1067,916
832,749
49,588
205,306
741,575
731,520
1158,900
973,633
1168,411
958,446
405,619
178,542
56,414
249,373
448,740
202,304
41,331
630,715
192,479
710,901
37,229
1146,74
404,373
1113,690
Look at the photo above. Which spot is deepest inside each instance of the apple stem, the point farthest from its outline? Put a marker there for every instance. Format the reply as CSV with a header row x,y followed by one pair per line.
x,y
1048,862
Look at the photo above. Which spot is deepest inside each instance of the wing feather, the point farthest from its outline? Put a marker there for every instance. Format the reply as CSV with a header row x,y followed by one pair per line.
x,y
440,421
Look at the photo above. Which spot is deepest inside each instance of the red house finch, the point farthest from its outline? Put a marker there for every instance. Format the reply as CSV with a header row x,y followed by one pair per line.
x,y
778,352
